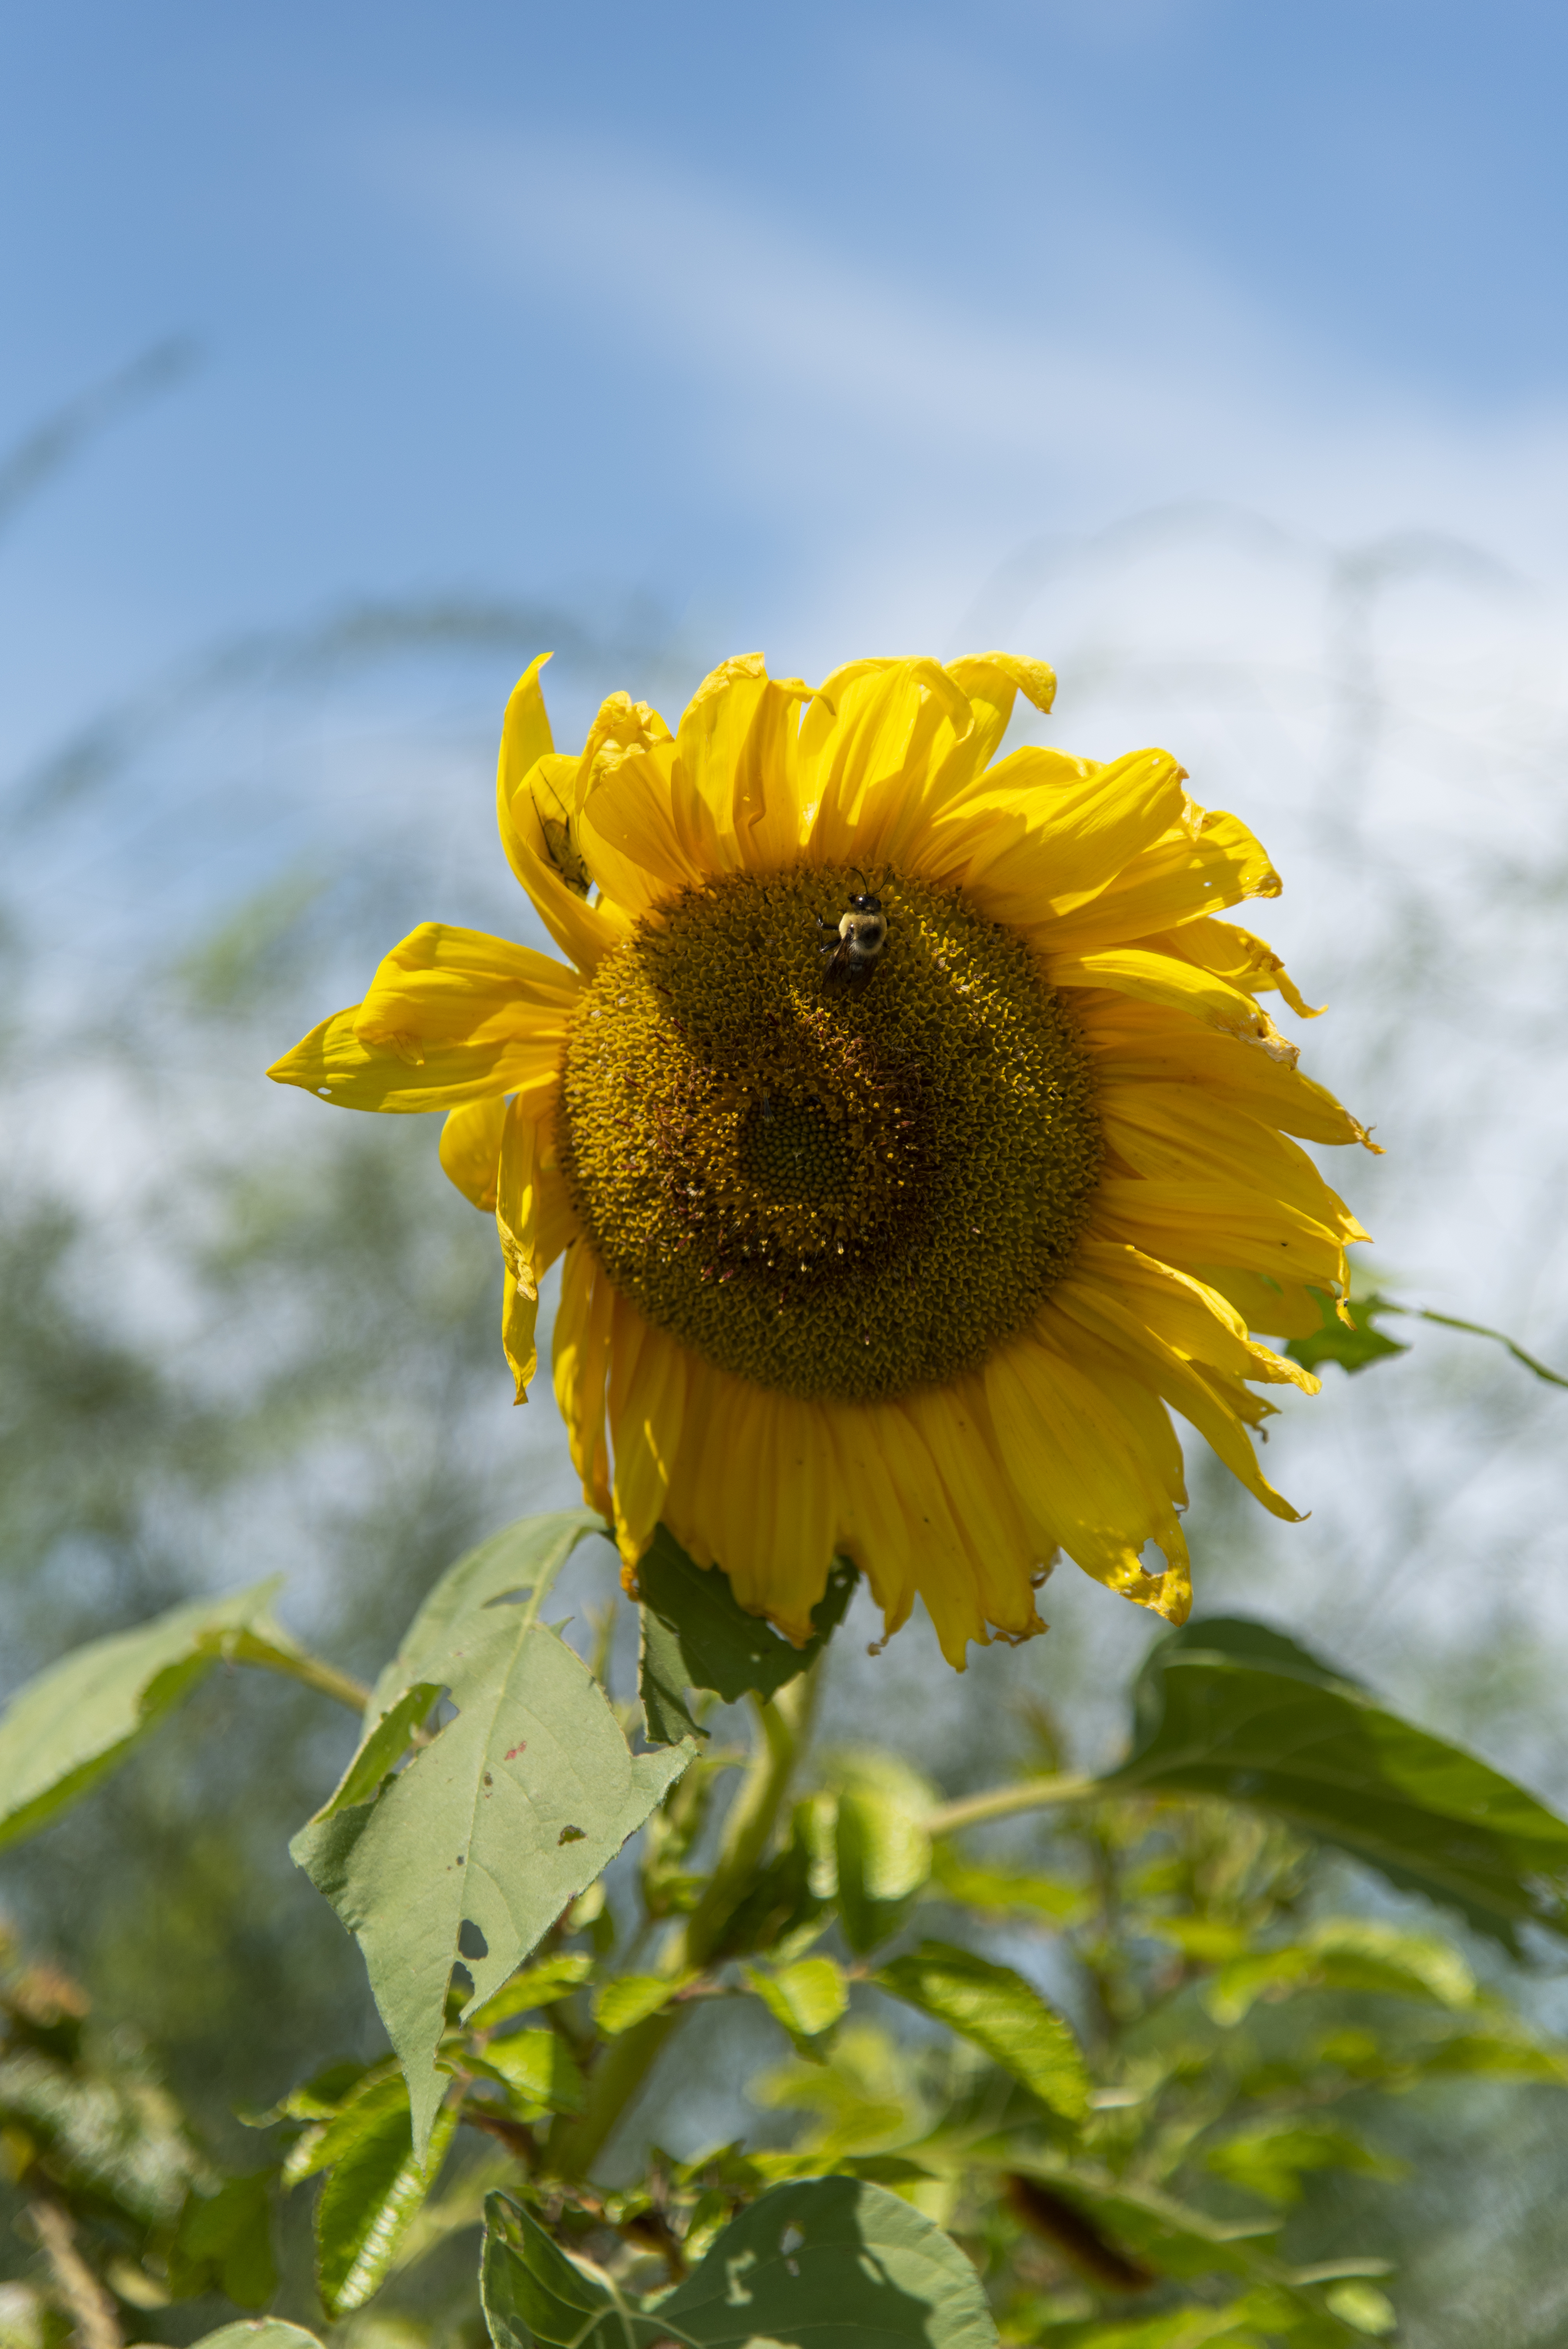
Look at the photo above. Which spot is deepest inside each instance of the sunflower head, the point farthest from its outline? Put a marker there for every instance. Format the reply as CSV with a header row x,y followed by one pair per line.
x,y
912,1130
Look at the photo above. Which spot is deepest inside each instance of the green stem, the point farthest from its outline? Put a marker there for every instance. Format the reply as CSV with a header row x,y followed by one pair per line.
x,y
295,1665
785,1724
1002,1802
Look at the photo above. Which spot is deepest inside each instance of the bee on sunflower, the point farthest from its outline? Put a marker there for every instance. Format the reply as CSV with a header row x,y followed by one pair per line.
x,y
911,1130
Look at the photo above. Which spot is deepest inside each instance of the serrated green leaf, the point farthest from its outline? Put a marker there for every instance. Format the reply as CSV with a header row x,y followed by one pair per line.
x,y
67,1728
884,1856
662,1678
1352,1344
705,1639
1227,1708
1001,2013
632,1998
372,2195
541,1985
821,2263
506,1815
537,2066
808,1998
223,2243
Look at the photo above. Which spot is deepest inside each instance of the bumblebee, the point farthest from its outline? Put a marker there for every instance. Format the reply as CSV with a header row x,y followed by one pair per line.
x,y
851,945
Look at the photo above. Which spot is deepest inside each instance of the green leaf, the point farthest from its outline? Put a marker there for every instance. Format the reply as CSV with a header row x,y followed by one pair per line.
x,y
541,1986
223,2243
701,1636
1271,2158
883,1861
537,2066
259,2333
1230,1709
824,2263
502,1818
632,1998
534,2297
1356,1345
373,2193
1001,2012
1352,1344
78,1720
1000,1892
808,1998
1351,1953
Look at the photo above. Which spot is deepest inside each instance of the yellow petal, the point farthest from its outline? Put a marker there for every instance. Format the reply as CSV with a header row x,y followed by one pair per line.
x,y
952,1427
1131,1041
991,683
1236,956
1181,877
584,932
1199,1395
1191,1315
1281,1309
639,850
647,1408
1040,832
1177,1132
518,1224
583,1323
470,1148
1082,1479
873,745
1194,1224
739,756
1177,984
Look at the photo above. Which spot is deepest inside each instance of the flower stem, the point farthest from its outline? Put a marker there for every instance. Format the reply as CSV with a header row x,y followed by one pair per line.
x,y
1002,1802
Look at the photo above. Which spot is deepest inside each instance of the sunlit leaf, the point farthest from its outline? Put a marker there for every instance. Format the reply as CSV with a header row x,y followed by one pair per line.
x,y
629,2000
259,2333
1352,1344
883,1860
807,1998
822,2264
701,1637
1001,2012
373,2193
541,1986
65,1730
502,1818
538,2068
1230,1708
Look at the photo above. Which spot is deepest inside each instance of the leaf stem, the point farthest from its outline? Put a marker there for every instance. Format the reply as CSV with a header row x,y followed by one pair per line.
x,y
1002,1802
269,1656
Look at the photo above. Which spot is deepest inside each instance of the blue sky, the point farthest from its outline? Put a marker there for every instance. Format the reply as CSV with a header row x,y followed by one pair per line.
x,y
798,322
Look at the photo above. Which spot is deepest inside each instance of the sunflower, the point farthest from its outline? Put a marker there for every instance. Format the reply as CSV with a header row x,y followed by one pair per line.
x,y
911,1132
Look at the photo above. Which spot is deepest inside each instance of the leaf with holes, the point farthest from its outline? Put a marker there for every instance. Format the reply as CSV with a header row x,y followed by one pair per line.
x,y
821,2264
502,1818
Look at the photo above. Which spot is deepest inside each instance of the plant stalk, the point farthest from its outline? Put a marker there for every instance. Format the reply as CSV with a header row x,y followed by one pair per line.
x,y
1002,1802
